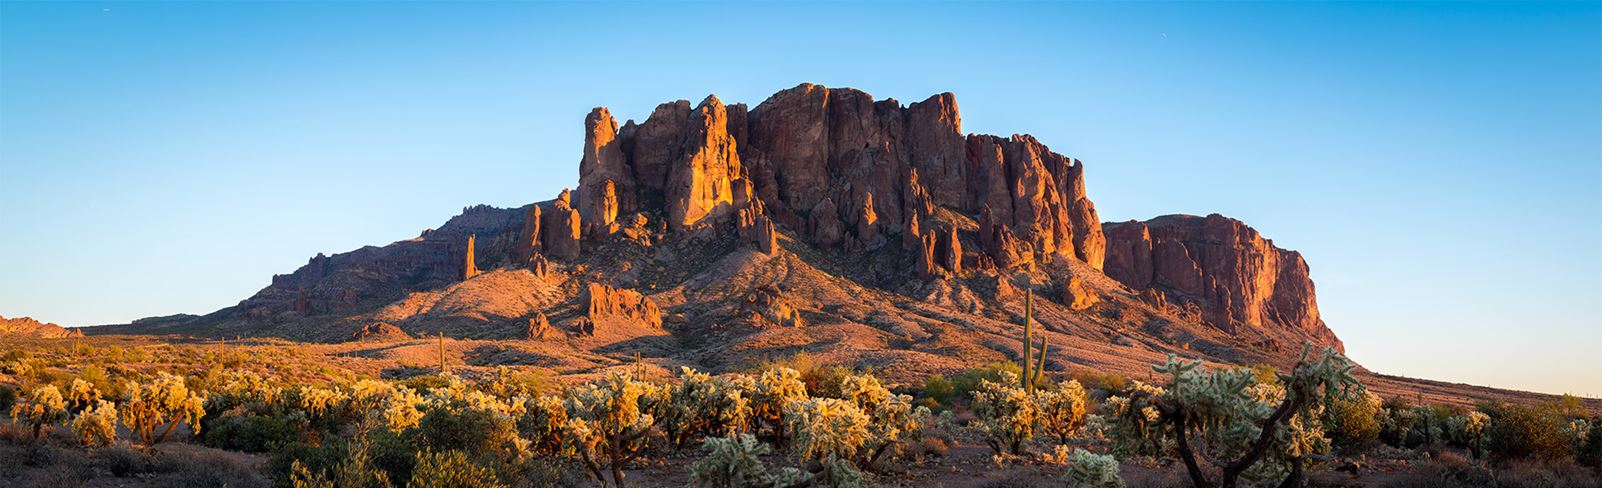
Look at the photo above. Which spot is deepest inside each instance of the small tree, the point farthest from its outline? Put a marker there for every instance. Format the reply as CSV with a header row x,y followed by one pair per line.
x,y
164,400
44,406
97,425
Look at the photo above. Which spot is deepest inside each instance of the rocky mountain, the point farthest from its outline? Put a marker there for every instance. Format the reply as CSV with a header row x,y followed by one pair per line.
x,y
821,220
28,327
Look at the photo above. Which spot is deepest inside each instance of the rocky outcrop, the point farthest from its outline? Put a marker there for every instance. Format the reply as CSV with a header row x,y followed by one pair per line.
x,y
28,327
1237,277
756,228
1076,295
606,182
561,229
470,266
539,328
940,253
766,307
606,302
380,331
527,244
699,182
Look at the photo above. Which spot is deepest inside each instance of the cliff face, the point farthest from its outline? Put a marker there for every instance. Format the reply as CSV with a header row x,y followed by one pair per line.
x,y
1228,270
839,167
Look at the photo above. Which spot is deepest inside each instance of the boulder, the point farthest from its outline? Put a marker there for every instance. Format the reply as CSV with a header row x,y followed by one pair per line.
x,y
606,302
380,331
561,229
1076,295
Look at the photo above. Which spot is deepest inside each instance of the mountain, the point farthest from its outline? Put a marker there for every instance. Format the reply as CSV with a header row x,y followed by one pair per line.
x,y
28,327
861,231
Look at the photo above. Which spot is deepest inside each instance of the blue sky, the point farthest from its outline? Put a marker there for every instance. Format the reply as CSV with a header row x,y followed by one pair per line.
x,y
1439,164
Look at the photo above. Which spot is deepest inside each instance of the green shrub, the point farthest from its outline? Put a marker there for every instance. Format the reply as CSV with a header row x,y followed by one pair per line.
x,y
1090,470
1522,432
733,462
250,432
450,469
1006,414
1354,423
97,425
470,430
44,407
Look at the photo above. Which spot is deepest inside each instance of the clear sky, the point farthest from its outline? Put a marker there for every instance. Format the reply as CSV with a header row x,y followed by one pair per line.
x,y
1438,164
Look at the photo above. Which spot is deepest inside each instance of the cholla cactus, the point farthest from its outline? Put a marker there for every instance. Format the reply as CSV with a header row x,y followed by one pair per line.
x,y
1062,412
81,395
165,400
774,390
704,405
44,406
733,462
97,425
316,403
243,387
1007,414
608,422
542,425
827,428
1231,420
891,416
1090,470
400,410
1467,429
1132,420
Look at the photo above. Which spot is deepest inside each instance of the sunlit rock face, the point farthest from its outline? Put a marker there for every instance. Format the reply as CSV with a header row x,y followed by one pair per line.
x,y
1237,277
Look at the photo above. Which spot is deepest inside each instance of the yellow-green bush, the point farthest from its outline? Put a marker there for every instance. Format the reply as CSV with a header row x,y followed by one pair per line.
x,y
164,400
450,469
44,406
97,425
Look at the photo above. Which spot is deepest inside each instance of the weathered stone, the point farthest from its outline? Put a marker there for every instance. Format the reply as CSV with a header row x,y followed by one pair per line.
x,y
469,265
606,181
380,331
757,228
1076,295
934,130
527,243
824,221
561,229
539,328
606,302
699,181
867,222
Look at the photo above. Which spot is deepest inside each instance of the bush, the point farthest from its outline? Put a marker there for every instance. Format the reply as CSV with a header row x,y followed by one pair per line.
x,y
827,428
775,389
608,423
704,405
250,432
733,462
97,425
450,469
1354,423
1521,432
468,430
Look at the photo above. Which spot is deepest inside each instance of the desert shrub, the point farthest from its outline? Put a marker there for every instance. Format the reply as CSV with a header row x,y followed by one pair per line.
x,y
776,388
1005,414
965,383
97,425
401,409
704,405
508,383
1523,432
469,430
44,406
344,465
938,389
1254,432
1354,423
426,382
250,432
194,468
608,423
122,461
450,469
733,462
1132,420
81,395
1062,411
324,407
165,400
541,425
243,388
825,381
1590,453
1090,470
8,397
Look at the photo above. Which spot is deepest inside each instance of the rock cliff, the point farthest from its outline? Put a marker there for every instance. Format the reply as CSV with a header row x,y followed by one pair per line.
x,y
28,327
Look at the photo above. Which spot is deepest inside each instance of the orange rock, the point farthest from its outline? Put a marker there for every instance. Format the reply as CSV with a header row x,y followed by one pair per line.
x,y
1076,296
470,267
606,301
699,182
561,229
539,328
380,331
606,181
527,244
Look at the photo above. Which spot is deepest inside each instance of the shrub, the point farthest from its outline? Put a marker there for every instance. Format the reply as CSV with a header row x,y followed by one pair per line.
x,y
165,400
1590,454
542,423
1006,414
1090,470
450,469
469,430
890,416
1522,432
1062,411
1354,423
332,466
81,395
1467,430
250,432
97,425
43,407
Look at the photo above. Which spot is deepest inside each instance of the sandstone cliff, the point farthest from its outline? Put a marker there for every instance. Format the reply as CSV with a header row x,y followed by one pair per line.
x,y
28,327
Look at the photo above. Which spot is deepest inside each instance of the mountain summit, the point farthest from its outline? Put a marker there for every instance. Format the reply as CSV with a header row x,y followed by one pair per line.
x,y
821,220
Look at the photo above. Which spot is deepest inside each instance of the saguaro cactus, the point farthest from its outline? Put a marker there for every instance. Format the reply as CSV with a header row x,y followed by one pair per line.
x,y
1033,368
